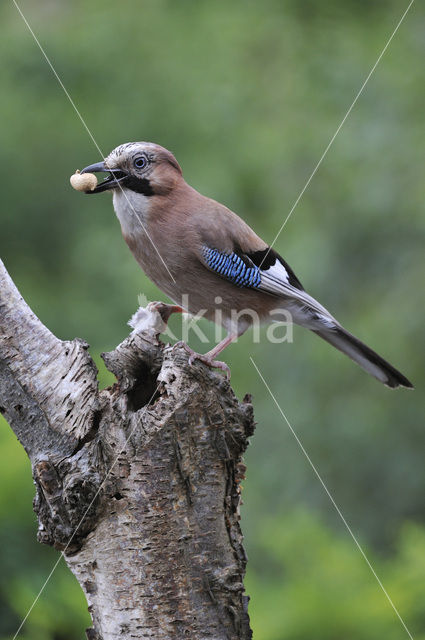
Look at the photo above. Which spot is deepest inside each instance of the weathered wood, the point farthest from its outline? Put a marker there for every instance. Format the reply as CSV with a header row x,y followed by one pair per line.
x,y
52,382
137,484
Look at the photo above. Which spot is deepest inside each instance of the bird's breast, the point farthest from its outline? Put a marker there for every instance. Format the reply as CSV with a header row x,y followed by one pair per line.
x,y
155,248
132,210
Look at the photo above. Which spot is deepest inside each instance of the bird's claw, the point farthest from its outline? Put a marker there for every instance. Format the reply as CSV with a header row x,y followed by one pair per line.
x,y
214,364
206,359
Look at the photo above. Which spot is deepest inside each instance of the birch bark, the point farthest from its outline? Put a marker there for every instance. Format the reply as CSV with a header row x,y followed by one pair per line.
x,y
138,485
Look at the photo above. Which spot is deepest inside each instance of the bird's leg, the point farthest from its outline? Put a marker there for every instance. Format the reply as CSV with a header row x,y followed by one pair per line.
x,y
208,358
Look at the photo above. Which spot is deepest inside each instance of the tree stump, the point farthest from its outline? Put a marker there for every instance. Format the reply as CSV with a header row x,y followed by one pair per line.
x,y
138,485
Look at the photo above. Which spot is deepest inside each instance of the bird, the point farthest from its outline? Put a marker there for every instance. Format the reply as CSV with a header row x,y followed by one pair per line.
x,y
205,257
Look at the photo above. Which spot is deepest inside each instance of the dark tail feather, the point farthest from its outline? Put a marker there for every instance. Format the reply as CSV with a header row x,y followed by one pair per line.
x,y
365,357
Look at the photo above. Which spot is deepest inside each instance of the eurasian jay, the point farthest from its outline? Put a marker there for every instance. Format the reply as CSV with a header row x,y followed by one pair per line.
x,y
204,257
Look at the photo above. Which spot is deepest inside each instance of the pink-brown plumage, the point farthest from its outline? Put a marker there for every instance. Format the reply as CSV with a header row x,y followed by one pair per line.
x,y
206,258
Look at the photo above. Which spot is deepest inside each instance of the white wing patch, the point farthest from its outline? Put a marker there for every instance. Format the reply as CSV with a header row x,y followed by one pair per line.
x,y
307,310
277,272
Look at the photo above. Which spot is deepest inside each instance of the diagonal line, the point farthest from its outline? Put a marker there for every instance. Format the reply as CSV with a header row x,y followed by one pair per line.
x,y
58,78
83,517
339,127
331,499
87,129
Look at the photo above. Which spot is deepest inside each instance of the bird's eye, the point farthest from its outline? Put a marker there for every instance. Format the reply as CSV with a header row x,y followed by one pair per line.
x,y
140,162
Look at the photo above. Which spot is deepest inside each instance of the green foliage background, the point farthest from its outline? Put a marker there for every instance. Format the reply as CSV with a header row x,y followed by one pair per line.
x,y
247,95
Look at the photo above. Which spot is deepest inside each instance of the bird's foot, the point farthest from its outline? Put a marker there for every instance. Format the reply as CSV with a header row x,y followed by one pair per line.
x,y
205,358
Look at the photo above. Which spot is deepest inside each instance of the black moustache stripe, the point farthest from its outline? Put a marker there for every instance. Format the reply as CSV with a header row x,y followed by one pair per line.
x,y
139,185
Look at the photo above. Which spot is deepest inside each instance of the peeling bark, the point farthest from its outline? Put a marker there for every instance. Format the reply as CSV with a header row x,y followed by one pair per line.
x,y
138,484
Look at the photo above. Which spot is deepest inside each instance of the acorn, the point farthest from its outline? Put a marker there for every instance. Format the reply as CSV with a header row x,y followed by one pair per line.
x,y
83,181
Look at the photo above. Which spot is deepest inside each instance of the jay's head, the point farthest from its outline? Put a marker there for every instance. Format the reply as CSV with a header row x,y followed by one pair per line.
x,y
143,167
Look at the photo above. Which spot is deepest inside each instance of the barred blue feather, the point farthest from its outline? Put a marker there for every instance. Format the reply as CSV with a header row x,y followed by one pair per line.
x,y
233,268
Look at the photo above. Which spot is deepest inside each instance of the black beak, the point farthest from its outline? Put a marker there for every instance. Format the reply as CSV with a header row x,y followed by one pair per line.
x,y
116,176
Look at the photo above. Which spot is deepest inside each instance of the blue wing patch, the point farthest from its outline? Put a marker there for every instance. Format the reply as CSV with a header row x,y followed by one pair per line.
x,y
233,268
266,271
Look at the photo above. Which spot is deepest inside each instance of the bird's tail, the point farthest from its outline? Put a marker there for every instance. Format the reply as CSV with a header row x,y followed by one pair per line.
x,y
364,356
